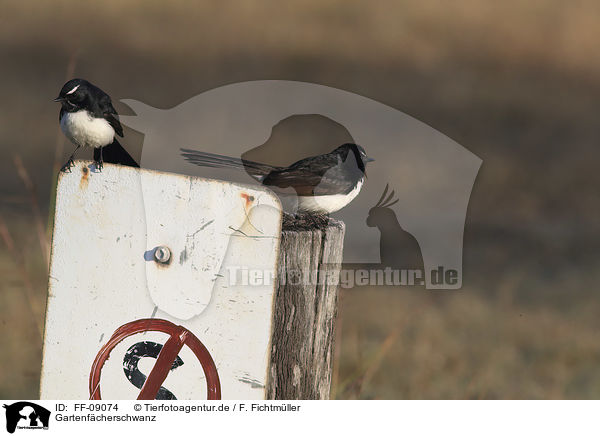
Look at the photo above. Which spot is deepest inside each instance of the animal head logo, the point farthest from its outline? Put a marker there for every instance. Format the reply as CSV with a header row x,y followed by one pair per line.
x,y
431,174
27,415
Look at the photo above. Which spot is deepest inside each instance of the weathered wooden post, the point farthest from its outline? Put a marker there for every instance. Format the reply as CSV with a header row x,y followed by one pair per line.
x,y
305,309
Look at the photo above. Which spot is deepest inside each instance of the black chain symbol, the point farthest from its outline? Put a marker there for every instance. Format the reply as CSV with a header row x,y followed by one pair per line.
x,y
135,376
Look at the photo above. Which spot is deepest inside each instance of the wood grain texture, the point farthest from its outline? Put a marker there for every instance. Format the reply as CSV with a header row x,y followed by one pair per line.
x,y
305,309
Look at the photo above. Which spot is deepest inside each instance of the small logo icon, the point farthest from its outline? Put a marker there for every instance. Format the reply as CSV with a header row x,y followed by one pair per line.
x,y
26,415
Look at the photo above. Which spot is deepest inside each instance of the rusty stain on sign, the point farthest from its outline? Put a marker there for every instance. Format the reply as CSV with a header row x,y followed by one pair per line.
x,y
84,178
249,199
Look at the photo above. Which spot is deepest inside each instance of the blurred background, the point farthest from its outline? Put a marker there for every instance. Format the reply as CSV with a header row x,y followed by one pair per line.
x,y
515,82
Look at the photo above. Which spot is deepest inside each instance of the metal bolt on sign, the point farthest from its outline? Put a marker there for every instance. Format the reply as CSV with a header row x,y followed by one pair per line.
x,y
179,336
162,254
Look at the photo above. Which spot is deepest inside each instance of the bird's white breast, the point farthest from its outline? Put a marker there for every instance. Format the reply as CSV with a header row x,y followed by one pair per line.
x,y
83,129
322,203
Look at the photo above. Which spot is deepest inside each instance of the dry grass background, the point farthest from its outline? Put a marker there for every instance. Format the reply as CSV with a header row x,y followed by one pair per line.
x,y
516,82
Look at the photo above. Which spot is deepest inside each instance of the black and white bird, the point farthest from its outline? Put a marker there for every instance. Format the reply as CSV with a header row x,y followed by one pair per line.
x,y
88,119
323,184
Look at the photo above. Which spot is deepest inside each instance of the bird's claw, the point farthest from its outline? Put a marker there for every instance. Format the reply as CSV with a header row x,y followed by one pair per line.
x,y
99,165
66,168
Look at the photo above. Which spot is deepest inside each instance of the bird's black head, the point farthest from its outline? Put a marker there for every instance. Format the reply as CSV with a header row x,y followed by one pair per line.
x,y
359,153
75,95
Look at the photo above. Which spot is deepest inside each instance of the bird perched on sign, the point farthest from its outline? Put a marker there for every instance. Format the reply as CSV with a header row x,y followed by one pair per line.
x,y
323,184
88,118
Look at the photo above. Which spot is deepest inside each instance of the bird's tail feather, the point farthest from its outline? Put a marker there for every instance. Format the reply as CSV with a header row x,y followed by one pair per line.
x,y
205,159
115,153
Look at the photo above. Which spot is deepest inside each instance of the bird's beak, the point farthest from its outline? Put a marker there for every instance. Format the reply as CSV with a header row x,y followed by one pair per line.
x,y
59,98
370,159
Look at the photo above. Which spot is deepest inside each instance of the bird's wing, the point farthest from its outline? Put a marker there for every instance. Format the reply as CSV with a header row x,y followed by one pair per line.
x,y
111,115
115,123
205,159
321,175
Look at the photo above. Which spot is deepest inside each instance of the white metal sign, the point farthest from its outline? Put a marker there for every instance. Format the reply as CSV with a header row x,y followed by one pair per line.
x,y
134,244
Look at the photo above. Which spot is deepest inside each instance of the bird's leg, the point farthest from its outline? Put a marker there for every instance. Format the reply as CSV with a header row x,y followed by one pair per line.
x,y
100,162
67,167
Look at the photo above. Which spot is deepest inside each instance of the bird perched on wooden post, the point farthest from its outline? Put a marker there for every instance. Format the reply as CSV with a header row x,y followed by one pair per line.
x,y
323,184
88,119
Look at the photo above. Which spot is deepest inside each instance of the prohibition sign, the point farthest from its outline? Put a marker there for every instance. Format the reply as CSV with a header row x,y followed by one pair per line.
x,y
179,336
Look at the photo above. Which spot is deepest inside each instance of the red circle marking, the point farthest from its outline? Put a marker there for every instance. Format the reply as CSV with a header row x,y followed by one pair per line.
x,y
179,336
